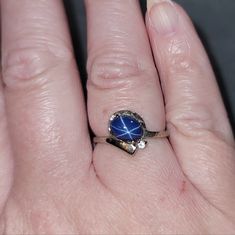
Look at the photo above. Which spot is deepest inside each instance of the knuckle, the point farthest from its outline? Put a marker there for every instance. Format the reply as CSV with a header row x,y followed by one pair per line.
x,y
181,60
113,69
23,66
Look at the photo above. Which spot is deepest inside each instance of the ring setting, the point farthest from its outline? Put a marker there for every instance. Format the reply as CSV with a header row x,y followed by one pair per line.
x,y
127,131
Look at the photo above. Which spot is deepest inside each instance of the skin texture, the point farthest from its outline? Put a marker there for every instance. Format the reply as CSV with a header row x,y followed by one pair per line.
x,y
53,182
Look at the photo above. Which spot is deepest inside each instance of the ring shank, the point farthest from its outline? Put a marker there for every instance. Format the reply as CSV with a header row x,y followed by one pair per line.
x,y
156,134
148,135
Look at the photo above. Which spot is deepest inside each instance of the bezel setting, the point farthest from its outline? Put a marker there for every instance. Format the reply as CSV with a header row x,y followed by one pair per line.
x,y
130,146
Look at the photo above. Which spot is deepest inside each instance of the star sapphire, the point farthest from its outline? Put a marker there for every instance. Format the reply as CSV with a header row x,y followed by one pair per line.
x,y
126,128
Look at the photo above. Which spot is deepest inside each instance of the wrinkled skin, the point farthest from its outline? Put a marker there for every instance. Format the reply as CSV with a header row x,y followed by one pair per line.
x,y
53,182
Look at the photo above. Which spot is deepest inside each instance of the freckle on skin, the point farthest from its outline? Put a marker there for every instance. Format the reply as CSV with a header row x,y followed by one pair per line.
x,y
183,187
105,112
162,199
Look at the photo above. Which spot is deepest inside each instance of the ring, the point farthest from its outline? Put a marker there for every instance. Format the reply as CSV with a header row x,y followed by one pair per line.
x,y
128,132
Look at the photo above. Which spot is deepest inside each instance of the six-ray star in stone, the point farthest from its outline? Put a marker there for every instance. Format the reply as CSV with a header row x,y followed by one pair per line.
x,y
126,128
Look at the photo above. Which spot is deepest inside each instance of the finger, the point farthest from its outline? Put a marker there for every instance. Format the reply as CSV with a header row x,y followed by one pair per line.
x,y
122,76
6,163
43,95
199,127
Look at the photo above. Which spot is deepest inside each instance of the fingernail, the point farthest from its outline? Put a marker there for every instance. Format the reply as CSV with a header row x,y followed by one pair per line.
x,y
163,16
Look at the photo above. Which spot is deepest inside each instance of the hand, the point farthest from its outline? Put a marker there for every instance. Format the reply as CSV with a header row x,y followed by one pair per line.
x,y
53,182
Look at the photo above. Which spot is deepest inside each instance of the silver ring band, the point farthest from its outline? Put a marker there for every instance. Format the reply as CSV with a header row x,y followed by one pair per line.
x,y
128,132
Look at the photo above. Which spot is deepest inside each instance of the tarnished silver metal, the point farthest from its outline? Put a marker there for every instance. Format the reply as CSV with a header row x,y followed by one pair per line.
x,y
130,146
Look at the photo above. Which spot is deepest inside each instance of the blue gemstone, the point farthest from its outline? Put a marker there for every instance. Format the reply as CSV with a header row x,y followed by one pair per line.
x,y
126,128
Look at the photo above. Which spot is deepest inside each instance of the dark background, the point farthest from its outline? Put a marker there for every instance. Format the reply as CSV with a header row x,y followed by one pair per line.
x,y
214,21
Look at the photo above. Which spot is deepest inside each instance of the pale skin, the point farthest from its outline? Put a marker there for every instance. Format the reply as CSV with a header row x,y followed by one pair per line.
x,y
54,182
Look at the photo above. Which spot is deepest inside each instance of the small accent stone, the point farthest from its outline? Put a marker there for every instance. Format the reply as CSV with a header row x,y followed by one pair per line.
x,y
142,144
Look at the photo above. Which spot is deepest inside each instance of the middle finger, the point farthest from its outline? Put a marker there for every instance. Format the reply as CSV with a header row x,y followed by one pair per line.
x,y
44,101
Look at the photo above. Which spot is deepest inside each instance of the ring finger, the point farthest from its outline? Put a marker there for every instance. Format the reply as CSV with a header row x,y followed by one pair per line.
x,y
122,76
